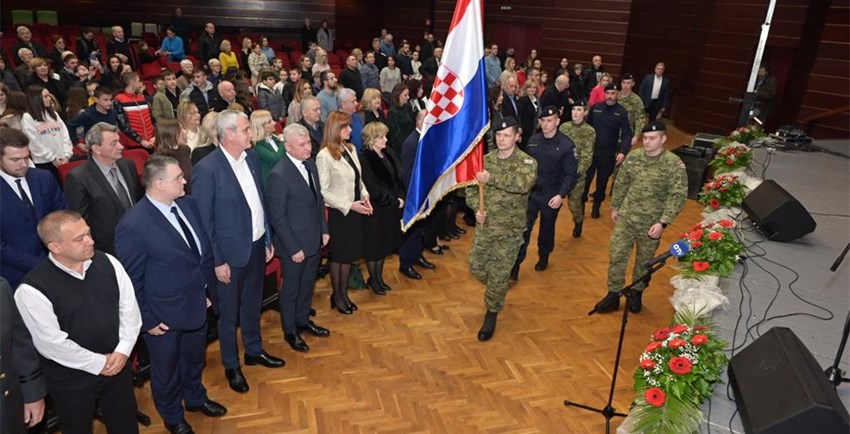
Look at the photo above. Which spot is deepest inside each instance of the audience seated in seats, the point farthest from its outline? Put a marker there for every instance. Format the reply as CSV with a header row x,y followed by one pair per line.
x,y
277,66
185,77
23,72
208,44
77,103
68,73
313,51
171,142
369,73
229,95
111,76
134,114
8,78
207,138
257,61
311,118
16,106
269,146
267,50
172,46
25,41
201,92
100,111
215,76
120,46
189,119
41,75
49,142
21,249
167,97
104,187
269,96
401,120
371,107
4,97
57,50
87,48
227,57
305,89
327,96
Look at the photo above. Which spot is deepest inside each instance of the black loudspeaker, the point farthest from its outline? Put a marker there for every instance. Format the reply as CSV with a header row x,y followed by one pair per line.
x,y
780,388
777,214
696,163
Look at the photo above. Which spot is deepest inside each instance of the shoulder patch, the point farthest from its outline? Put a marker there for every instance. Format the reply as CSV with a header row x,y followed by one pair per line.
x,y
528,161
682,165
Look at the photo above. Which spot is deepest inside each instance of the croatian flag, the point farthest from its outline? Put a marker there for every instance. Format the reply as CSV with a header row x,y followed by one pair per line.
x,y
450,149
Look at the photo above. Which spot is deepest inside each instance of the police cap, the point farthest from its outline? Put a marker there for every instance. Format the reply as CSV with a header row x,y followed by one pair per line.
x,y
654,126
627,76
612,86
549,110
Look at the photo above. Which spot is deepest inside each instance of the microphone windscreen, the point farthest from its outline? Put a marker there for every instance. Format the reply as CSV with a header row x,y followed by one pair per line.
x,y
679,249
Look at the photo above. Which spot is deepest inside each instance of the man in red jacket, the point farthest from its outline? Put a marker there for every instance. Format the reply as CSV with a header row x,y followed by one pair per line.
x,y
134,113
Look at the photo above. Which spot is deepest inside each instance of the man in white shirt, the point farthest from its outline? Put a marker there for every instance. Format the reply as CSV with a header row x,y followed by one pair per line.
x,y
654,92
81,310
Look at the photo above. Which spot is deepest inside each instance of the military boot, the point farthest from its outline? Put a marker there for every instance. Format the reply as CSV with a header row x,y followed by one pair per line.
x,y
577,229
594,213
609,303
542,262
635,302
515,273
489,326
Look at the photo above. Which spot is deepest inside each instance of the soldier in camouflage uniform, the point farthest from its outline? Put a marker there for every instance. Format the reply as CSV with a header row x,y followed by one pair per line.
x,y
649,193
584,137
633,104
508,177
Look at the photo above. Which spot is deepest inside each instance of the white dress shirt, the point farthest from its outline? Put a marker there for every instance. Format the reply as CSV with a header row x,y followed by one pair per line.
x,y
53,343
11,181
165,209
252,194
656,86
300,166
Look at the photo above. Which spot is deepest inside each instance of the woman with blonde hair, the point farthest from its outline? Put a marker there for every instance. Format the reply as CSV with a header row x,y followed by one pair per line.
x,y
382,177
227,57
189,119
303,89
321,64
268,145
171,142
598,93
245,52
41,75
207,137
370,106
347,198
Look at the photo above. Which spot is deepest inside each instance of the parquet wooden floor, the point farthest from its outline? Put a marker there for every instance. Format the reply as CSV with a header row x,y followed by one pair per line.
x,y
410,362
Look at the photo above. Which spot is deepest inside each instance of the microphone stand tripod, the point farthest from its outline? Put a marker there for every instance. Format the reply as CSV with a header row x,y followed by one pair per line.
x,y
608,411
834,373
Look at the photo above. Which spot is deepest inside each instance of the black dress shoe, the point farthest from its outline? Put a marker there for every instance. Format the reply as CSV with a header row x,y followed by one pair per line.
x,y
314,330
386,287
453,236
436,251
489,326
594,213
265,359
635,302
352,306
295,342
577,230
459,231
345,310
514,277
179,428
542,262
609,303
410,272
444,246
236,380
312,312
422,262
209,408
375,287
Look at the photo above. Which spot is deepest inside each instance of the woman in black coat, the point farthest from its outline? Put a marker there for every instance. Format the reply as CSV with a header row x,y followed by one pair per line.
x,y
382,177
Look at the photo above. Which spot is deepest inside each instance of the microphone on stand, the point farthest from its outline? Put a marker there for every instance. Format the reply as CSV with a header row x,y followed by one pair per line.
x,y
677,250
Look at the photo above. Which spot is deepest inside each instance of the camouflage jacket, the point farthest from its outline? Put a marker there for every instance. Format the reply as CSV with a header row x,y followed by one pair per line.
x,y
506,194
650,189
637,116
584,136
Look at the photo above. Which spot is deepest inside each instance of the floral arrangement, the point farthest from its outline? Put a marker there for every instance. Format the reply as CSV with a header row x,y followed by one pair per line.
x,y
745,134
723,191
732,157
714,250
677,372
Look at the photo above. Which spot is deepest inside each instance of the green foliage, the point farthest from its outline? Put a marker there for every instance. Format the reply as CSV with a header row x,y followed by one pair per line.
x,y
722,191
732,157
714,250
676,417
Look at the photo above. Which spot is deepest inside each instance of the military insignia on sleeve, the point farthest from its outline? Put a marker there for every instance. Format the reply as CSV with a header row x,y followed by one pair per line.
x,y
682,165
528,161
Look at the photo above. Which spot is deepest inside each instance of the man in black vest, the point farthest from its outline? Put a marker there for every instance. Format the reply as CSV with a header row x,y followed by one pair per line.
x,y
81,310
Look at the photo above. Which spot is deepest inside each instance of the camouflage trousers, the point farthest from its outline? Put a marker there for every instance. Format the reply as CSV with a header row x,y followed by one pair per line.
x,y
575,200
492,256
623,240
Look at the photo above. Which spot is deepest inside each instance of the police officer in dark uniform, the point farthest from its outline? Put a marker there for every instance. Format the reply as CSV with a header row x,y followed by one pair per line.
x,y
557,170
613,142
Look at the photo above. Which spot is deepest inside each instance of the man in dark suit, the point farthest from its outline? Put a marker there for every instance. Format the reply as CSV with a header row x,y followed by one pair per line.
x,y
297,215
410,251
509,100
765,92
311,118
26,195
654,92
557,95
22,387
229,189
104,187
168,256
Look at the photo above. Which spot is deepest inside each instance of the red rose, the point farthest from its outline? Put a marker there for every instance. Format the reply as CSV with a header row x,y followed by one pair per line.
x,y
714,236
678,329
730,161
700,266
661,334
714,203
723,189
647,364
653,346
701,328
655,397
696,235
696,227
726,223
699,339
696,244
676,343
680,365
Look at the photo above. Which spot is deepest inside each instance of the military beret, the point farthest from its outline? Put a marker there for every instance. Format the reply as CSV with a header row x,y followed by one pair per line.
x,y
580,103
612,86
654,126
504,123
549,110
627,76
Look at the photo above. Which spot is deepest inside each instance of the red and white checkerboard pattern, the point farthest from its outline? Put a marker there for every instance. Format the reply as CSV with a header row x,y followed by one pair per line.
x,y
446,97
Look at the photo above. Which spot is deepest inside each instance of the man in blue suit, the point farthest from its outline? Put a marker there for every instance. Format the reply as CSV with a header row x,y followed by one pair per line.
x,y
168,255
26,195
655,92
229,189
297,215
